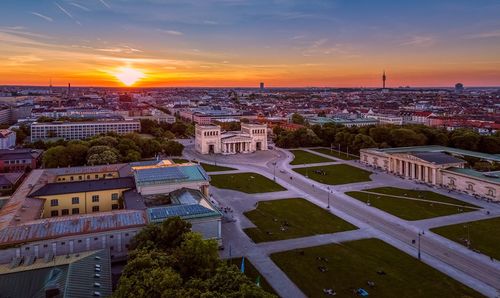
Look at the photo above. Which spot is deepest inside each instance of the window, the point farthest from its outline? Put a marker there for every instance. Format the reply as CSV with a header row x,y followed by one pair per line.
x,y
75,200
114,196
71,178
65,212
470,186
95,198
54,202
80,177
114,206
96,176
95,208
75,211
88,176
54,213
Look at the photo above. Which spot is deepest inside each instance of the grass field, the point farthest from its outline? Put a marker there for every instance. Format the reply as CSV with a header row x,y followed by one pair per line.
x,y
207,167
484,235
245,182
337,154
304,157
252,273
335,174
407,209
351,265
303,219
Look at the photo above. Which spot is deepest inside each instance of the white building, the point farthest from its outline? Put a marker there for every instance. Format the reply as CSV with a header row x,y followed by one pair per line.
x,y
210,139
7,139
81,130
436,165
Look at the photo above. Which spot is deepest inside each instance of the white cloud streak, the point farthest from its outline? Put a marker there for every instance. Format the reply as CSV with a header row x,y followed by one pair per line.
x,y
48,19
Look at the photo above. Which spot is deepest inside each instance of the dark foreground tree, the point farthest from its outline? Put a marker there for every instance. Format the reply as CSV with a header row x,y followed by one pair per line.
x,y
168,260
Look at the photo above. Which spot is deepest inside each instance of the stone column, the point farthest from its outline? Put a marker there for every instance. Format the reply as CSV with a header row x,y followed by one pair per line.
x,y
408,174
434,178
426,174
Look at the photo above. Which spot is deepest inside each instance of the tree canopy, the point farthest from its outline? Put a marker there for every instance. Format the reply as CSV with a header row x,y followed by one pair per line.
x,y
168,260
105,149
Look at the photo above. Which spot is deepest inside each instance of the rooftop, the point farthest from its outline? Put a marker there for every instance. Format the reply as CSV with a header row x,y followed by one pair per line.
x,y
490,176
438,158
437,148
83,186
71,276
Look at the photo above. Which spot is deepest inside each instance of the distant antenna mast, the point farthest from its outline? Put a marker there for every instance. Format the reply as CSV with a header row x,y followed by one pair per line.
x,y
384,78
50,86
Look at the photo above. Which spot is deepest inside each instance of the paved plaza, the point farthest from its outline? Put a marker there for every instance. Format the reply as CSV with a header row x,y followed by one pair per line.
x,y
473,269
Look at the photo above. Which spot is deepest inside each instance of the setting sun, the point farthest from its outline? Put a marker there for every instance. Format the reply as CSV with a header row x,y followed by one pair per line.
x,y
128,76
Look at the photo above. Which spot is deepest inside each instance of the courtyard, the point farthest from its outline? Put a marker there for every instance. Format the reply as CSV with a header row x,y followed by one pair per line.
x,y
245,182
371,265
292,218
335,174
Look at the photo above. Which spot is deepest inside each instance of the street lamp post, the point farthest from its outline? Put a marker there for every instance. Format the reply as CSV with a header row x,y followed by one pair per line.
x,y
419,254
274,171
328,207
468,235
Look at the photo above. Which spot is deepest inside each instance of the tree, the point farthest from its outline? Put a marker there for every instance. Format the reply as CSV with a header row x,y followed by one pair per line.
x,y
167,260
403,137
490,144
56,157
105,157
298,119
172,148
164,236
467,140
77,153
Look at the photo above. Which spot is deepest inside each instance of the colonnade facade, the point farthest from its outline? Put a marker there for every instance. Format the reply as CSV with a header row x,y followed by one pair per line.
x,y
415,170
236,147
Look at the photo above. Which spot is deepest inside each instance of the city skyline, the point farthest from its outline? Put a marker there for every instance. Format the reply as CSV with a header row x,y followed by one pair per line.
x,y
238,43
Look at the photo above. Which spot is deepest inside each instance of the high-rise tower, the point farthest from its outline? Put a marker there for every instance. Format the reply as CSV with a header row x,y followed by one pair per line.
x,y
384,78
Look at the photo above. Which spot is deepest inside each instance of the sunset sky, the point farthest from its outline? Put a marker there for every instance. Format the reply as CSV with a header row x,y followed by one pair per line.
x,y
337,43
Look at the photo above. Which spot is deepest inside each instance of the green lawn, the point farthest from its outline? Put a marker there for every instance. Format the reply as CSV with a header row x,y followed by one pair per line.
x,y
207,167
304,157
335,174
252,273
213,168
337,154
419,194
245,182
406,209
484,235
303,219
180,160
351,265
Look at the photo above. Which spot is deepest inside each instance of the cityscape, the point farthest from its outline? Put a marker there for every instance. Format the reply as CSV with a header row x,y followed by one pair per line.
x,y
249,148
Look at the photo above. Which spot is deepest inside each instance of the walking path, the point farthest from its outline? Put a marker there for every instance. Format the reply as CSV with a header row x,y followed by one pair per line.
x,y
421,200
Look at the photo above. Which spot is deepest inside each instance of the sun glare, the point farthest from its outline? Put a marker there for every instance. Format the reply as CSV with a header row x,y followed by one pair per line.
x,y
128,76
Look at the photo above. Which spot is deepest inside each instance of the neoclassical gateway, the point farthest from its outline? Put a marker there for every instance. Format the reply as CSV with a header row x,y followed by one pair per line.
x,y
437,165
210,139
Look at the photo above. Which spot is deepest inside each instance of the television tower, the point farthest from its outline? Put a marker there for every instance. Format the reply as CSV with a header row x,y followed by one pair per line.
x,y
384,78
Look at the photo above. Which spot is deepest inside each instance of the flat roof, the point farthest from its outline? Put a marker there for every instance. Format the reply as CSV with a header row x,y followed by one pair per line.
x,y
437,148
83,186
491,176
